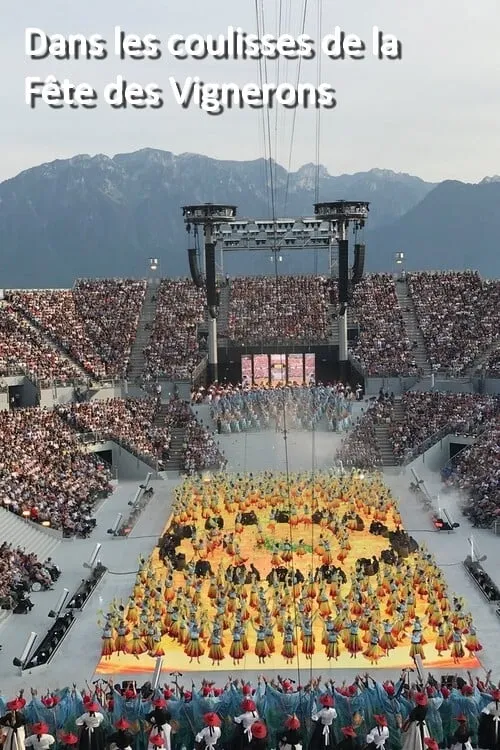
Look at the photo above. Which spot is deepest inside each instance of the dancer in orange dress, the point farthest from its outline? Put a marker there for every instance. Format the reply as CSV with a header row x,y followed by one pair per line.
x,y
374,652
387,640
471,642
215,652
354,645
136,645
108,642
441,643
194,648
457,649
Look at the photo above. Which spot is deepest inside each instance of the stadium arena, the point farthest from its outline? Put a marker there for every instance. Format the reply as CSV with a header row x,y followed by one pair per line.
x,y
253,509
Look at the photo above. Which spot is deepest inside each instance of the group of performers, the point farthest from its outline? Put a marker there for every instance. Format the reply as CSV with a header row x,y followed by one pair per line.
x,y
366,715
272,566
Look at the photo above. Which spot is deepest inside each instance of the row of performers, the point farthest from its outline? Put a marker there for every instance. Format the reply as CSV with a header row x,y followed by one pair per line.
x,y
251,731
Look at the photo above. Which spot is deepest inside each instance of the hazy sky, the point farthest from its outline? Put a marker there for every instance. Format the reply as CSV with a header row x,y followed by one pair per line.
x,y
436,113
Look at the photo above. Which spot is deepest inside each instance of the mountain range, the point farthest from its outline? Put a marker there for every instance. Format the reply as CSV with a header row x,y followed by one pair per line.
x,y
100,216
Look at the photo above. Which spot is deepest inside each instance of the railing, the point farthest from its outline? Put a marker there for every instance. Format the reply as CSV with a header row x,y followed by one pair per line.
x,y
199,371
89,438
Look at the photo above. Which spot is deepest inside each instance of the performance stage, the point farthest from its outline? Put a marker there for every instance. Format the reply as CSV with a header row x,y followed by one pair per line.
x,y
293,527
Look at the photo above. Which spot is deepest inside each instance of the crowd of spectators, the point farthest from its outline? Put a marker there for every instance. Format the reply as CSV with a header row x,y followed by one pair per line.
x,y
95,323
383,346
24,350
426,413
173,350
200,451
44,475
267,308
458,314
492,365
130,422
294,407
476,471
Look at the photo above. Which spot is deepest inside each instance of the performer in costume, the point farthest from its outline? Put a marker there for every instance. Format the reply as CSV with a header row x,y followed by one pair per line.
x,y
323,735
210,735
91,734
245,720
489,724
291,738
122,739
349,739
258,736
415,728
159,719
461,737
40,739
12,726
379,735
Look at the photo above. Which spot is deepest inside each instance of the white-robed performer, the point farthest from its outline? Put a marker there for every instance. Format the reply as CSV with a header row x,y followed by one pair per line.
x,y
12,726
159,719
91,735
40,739
379,735
489,724
245,721
323,736
210,734
415,730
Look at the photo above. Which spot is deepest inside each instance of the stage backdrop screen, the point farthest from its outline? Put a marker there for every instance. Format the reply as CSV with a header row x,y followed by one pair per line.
x,y
278,369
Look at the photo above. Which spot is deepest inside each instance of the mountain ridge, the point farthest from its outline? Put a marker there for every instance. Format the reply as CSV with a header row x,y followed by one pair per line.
x,y
99,215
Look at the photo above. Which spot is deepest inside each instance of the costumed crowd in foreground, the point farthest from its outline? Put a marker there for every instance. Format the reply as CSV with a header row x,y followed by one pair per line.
x,y
274,714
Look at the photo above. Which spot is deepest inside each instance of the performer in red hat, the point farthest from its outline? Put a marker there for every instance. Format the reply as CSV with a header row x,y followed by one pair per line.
x,y
40,739
91,734
159,718
258,732
461,737
291,738
489,724
210,734
68,739
349,739
415,728
379,735
12,725
122,739
323,736
243,737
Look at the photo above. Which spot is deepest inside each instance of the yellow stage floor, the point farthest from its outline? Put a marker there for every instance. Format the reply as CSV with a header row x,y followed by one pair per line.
x,y
265,544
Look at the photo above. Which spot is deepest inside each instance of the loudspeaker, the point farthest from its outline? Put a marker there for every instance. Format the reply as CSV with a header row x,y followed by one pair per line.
x,y
343,272
193,267
359,263
210,266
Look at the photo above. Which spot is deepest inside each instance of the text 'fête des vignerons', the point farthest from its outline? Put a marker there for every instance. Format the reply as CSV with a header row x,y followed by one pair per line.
x,y
57,91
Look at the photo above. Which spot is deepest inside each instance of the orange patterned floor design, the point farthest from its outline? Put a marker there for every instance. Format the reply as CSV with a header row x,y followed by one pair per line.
x,y
268,545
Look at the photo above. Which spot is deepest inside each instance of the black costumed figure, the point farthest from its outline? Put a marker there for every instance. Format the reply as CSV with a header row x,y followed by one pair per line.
x,y
259,739
414,728
291,738
40,739
348,741
323,736
12,726
461,737
379,735
488,733
243,736
159,719
122,739
209,736
91,733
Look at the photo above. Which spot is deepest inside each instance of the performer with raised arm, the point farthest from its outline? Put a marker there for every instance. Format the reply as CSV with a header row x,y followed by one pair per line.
x,y
122,739
489,724
159,719
40,739
291,738
376,739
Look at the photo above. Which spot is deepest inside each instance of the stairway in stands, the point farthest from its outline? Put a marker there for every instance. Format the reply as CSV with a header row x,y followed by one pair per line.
x,y
136,365
382,435
223,319
174,462
411,325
